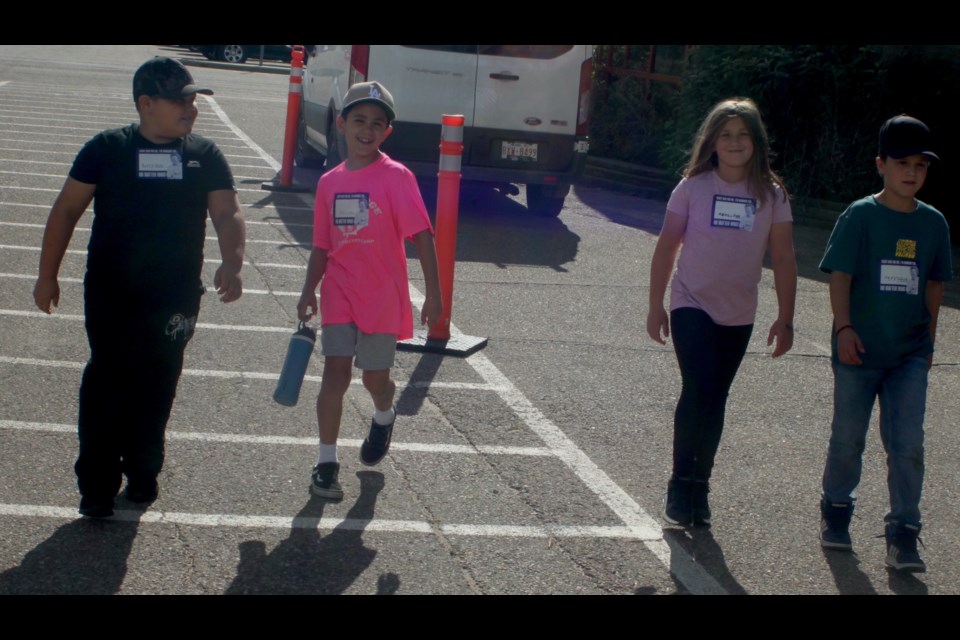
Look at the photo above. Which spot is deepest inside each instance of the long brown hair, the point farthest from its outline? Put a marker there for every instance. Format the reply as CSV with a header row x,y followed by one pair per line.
x,y
761,178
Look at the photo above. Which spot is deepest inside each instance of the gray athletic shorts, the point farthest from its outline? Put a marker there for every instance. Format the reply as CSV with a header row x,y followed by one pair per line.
x,y
373,351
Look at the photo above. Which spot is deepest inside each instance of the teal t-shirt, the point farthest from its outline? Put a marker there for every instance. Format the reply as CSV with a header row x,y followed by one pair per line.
x,y
891,256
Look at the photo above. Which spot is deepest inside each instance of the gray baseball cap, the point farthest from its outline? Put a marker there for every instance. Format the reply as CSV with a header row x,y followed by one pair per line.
x,y
369,92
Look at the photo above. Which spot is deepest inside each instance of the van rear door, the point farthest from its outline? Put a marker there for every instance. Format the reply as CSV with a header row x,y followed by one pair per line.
x,y
526,106
427,81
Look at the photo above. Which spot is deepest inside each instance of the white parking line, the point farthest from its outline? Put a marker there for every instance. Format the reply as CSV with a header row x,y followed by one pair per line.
x,y
83,252
246,292
36,225
255,375
328,524
200,325
354,443
240,134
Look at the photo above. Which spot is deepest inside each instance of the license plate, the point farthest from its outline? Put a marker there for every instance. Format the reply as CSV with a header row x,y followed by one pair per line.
x,y
521,151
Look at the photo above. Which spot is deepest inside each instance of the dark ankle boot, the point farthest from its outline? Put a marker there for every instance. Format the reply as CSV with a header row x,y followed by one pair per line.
x,y
701,505
678,506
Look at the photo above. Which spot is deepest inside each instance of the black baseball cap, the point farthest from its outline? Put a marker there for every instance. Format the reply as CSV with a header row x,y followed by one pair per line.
x,y
903,136
165,78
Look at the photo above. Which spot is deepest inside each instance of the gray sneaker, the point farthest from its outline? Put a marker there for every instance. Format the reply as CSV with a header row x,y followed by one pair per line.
x,y
324,481
902,553
835,525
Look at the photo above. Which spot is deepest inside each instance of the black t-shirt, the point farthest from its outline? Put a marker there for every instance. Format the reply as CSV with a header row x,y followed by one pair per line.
x,y
150,207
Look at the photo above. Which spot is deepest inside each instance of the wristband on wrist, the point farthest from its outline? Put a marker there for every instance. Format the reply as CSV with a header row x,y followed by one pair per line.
x,y
844,327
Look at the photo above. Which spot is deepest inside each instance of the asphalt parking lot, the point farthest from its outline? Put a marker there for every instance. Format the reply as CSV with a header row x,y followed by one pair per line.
x,y
535,466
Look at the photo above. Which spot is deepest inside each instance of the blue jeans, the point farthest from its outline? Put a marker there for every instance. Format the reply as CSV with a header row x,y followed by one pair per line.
x,y
903,395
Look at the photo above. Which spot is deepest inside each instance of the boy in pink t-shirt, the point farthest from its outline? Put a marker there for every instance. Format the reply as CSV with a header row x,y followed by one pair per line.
x,y
365,208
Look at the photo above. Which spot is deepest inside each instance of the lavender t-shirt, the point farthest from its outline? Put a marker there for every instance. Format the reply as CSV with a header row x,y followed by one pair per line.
x,y
724,242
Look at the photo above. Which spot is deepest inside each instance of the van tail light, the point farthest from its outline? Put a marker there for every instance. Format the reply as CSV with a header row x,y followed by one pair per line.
x,y
583,106
359,63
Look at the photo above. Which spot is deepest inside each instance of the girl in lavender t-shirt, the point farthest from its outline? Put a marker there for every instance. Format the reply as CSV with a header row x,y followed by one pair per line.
x,y
727,211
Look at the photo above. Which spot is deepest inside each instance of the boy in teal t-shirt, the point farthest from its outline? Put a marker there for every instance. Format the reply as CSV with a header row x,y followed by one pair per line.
x,y
888,257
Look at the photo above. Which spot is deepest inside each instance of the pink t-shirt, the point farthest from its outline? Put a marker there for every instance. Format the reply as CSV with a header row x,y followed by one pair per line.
x,y
361,218
724,243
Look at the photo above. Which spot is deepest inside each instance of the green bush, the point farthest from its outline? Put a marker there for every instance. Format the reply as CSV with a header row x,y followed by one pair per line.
x,y
823,105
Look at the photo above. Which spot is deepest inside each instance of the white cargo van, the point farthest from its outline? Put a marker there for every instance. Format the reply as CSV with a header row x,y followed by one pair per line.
x,y
526,109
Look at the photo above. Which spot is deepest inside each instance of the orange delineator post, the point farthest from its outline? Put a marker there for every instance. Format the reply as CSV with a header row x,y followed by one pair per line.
x,y
293,114
448,203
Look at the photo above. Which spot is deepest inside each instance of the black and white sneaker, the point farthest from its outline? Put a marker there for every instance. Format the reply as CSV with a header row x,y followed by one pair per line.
x,y
902,553
835,525
96,507
325,481
142,491
377,442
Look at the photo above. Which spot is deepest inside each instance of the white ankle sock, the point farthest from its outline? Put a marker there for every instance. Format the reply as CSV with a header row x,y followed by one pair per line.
x,y
328,453
384,418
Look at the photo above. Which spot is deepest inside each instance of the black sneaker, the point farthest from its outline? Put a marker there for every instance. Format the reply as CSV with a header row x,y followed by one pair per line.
x,y
324,481
902,553
678,505
94,507
377,442
142,491
835,525
701,506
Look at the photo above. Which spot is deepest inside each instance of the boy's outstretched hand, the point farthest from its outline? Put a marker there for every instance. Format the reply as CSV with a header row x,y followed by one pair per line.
x,y
228,283
46,294
781,331
431,311
307,306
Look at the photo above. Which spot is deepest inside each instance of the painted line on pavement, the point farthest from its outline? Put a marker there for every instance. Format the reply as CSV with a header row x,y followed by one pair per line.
x,y
255,375
240,134
354,443
327,524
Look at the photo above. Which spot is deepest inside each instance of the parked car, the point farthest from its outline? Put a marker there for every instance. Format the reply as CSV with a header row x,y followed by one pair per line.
x,y
240,53
525,108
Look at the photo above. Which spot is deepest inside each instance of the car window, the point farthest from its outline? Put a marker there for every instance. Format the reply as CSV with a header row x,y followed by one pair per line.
x,y
449,48
536,51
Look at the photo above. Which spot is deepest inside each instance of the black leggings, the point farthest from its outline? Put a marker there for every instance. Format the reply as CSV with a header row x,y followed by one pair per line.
x,y
709,355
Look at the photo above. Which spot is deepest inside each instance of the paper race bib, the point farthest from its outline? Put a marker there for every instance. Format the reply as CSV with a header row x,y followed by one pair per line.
x,y
160,164
733,212
351,211
900,276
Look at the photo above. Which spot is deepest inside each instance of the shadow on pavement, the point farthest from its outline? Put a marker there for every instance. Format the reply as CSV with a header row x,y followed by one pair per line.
x,y
845,567
700,545
494,228
309,563
622,208
83,557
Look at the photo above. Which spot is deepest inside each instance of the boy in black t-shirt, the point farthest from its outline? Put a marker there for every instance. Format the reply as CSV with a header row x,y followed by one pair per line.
x,y
152,185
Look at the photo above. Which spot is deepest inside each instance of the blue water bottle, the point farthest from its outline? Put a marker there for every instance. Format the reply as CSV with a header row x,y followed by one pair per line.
x,y
295,365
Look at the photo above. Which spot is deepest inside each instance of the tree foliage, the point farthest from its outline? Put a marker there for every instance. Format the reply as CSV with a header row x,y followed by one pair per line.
x,y
823,105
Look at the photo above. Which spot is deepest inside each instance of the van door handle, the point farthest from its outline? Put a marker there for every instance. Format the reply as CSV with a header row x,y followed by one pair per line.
x,y
504,76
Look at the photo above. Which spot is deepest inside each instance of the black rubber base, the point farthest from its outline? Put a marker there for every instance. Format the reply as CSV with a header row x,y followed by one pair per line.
x,y
271,186
459,345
